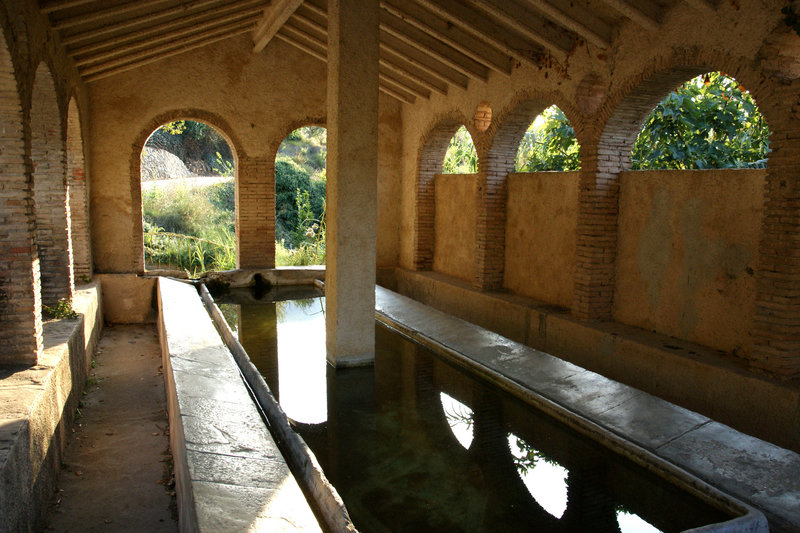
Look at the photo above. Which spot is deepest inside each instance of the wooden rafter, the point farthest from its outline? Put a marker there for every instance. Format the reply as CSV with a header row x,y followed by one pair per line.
x,y
574,18
199,21
58,5
274,17
100,14
425,62
439,28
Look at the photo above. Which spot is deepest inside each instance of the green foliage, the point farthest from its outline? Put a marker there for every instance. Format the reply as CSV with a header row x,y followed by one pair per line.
x,y
193,254
223,167
549,144
198,145
461,157
308,236
709,122
62,310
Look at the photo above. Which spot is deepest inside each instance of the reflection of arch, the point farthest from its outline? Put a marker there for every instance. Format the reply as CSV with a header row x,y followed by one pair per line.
x,y
49,190
429,163
20,314
219,124
77,187
506,134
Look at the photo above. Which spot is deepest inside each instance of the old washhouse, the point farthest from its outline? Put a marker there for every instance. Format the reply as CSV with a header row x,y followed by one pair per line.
x,y
682,284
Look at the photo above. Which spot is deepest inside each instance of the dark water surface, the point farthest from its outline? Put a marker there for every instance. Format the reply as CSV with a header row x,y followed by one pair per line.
x,y
414,444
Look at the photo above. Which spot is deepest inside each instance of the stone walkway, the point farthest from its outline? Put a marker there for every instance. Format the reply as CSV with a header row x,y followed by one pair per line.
x,y
116,468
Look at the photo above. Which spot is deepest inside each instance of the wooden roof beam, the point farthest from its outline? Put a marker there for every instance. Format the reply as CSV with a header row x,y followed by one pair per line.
x,y
231,21
445,53
144,20
576,19
58,5
428,64
477,24
104,71
440,29
530,24
199,21
274,17
115,11
641,12
319,51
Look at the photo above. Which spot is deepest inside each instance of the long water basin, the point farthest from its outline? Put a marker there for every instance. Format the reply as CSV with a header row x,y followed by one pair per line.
x,y
415,444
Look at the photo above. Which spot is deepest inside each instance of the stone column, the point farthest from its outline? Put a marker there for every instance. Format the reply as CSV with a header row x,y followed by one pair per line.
x,y
255,212
352,180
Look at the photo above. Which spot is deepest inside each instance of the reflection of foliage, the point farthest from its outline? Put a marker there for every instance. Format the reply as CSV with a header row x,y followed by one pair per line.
x,y
231,314
461,157
526,456
709,122
549,144
306,305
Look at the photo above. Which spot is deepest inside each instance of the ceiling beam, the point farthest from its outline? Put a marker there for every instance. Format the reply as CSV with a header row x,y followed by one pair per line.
x,y
319,51
445,53
93,16
199,21
530,24
441,29
274,17
477,24
574,18
637,12
144,20
198,30
432,66
159,55
58,5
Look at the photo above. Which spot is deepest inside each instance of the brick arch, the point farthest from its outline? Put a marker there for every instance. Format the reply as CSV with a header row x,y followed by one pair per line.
x,y
432,150
50,190
503,139
196,115
77,187
20,294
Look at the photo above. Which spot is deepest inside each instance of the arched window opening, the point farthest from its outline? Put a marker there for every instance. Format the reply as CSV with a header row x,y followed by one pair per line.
x,y
460,418
188,199
545,479
50,192
300,182
549,144
711,121
461,156
78,197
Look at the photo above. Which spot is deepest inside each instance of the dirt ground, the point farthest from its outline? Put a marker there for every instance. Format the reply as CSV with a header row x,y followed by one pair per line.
x,y
116,471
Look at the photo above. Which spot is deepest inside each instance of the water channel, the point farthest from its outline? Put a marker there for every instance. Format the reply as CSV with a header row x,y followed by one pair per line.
x,y
415,444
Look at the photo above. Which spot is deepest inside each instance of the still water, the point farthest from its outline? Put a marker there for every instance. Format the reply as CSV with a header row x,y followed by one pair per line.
x,y
414,444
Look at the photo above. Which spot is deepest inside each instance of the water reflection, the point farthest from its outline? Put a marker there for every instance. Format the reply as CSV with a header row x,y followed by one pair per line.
x,y
414,444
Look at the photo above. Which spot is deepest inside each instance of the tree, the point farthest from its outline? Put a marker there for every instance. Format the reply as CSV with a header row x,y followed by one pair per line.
x,y
709,122
461,157
549,144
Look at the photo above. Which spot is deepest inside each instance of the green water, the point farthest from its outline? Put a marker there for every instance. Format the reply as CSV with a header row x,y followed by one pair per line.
x,y
414,444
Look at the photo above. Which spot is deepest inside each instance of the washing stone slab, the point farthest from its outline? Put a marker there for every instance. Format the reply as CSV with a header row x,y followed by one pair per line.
x,y
230,474
756,472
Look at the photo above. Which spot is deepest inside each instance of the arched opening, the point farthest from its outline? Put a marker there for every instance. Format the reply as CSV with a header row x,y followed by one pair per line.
x,y
300,182
20,298
50,191
711,121
77,185
549,144
461,156
188,185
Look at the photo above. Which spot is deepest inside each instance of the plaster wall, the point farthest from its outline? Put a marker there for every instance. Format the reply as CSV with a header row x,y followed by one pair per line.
x,y
541,220
455,225
254,100
687,250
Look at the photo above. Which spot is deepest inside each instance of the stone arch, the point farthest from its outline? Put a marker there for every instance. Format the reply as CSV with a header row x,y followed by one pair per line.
x,y
617,124
197,115
429,163
20,295
505,135
50,190
77,186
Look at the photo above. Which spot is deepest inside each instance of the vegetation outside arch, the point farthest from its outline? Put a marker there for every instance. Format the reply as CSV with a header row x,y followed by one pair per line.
x,y
549,144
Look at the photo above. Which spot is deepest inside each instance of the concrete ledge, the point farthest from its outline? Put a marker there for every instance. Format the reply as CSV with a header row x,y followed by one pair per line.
x,y
649,430
229,473
37,409
302,275
701,379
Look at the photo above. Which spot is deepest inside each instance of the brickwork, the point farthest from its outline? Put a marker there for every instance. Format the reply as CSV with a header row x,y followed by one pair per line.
x,y
255,212
429,163
78,197
20,304
49,190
